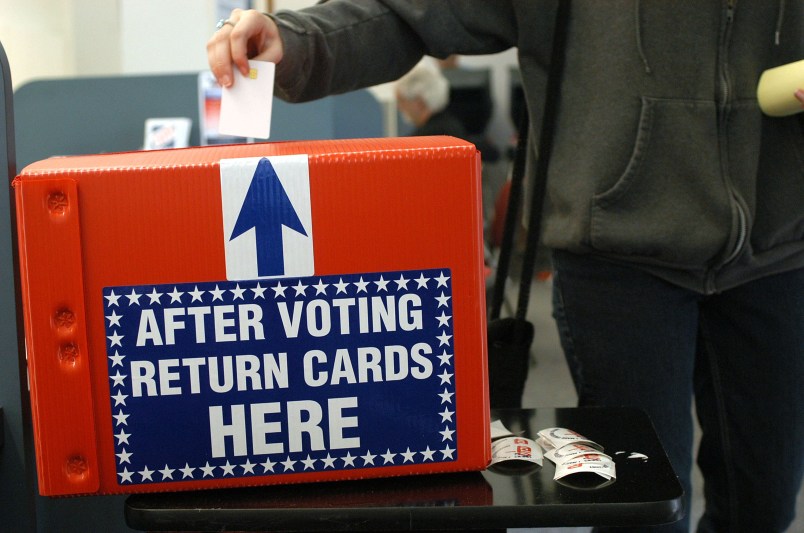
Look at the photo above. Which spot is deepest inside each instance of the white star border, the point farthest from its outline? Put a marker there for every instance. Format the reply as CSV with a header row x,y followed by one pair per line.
x,y
257,289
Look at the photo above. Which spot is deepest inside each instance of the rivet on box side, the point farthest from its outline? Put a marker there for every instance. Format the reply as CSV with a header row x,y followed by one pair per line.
x,y
76,468
64,319
57,203
68,354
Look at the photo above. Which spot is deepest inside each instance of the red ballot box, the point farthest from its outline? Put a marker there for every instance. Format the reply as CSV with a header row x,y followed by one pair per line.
x,y
254,314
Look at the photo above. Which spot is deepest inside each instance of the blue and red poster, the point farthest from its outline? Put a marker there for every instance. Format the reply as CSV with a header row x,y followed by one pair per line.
x,y
254,314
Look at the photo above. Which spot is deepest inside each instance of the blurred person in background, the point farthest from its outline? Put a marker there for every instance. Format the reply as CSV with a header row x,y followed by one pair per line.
x,y
422,97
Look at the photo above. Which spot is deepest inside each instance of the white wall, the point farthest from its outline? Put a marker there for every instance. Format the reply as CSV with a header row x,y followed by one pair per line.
x,y
96,43
165,35
37,36
64,38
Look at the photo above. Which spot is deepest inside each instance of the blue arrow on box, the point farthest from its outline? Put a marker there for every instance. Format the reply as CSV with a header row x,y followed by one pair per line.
x,y
267,208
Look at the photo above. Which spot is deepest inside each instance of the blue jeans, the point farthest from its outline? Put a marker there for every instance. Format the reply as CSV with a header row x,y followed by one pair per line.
x,y
633,339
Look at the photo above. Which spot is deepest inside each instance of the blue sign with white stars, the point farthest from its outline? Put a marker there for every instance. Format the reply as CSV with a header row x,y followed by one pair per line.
x,y
250,378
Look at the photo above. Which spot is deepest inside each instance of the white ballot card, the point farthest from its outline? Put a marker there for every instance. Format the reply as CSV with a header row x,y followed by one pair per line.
x,y
246,105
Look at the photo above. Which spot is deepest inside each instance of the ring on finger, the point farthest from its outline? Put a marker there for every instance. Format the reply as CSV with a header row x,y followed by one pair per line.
x,y
223,22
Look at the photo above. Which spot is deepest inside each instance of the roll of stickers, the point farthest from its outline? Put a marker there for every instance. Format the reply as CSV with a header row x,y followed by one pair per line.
x,y
594,463
554,438
777,88
573,453
516,449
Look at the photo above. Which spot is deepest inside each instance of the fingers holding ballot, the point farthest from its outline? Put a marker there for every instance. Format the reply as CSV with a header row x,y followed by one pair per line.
x,y
242,53
246,34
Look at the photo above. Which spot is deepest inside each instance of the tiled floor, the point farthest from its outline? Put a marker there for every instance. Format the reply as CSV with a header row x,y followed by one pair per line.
x,y
549,384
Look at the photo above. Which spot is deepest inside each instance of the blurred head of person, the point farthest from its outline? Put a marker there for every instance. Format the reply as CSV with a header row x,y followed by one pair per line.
x,y
422,93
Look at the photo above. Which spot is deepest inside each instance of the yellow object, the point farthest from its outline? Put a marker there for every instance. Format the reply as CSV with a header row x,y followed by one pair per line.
x,y
777,87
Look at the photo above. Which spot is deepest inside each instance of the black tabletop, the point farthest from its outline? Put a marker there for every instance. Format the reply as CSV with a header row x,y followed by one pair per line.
x,y
646,491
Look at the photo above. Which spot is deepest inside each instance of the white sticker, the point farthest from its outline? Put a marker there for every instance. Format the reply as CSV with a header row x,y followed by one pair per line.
x,y
267,217
551,438
559,455
599,464
515,449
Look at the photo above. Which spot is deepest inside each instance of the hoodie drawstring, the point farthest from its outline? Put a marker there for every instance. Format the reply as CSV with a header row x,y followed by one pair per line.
x,y
779,20
638,21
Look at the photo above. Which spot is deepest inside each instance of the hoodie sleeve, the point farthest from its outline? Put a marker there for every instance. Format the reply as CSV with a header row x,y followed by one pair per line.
x,y
342,45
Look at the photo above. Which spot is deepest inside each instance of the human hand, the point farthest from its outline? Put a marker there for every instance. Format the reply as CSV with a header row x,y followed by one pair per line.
x,y
246,34
800,96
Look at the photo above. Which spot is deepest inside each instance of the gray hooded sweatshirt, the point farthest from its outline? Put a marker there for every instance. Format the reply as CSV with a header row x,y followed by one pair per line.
x,y
661,159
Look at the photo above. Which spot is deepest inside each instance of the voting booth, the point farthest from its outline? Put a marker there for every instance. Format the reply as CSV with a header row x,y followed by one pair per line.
x,y
254,314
